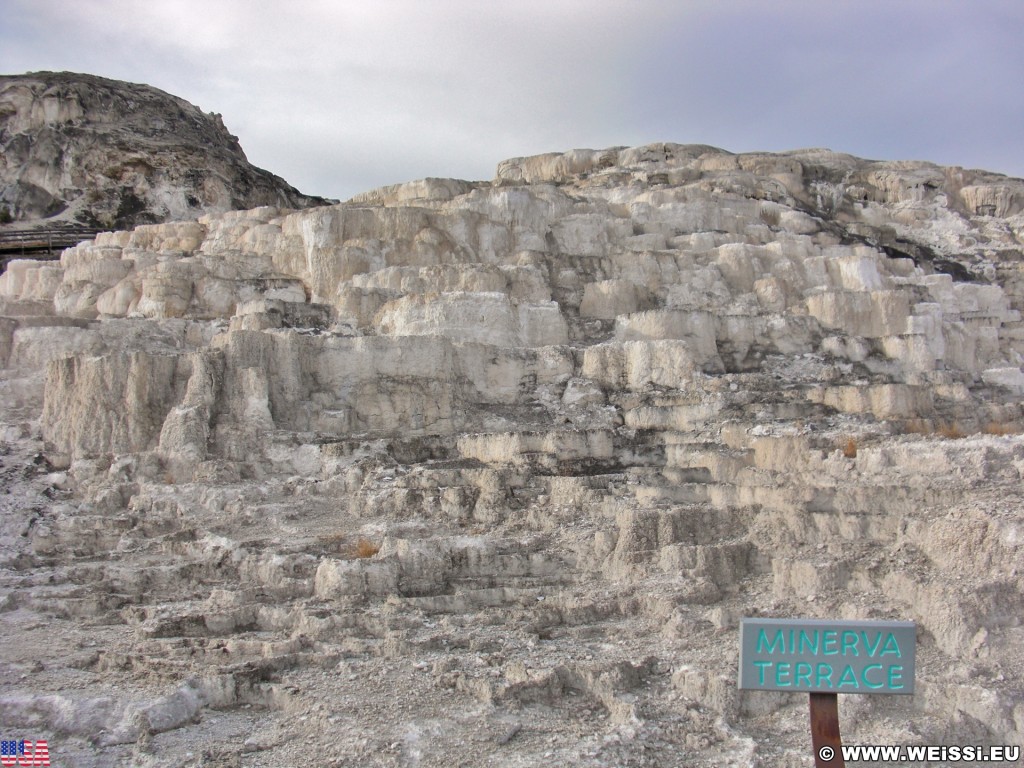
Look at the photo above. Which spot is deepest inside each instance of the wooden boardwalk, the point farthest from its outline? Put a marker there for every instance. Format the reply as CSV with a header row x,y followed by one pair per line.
x,y
41,243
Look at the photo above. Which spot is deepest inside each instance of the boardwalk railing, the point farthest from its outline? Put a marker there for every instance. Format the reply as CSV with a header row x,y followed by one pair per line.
x,y
45,239
41,243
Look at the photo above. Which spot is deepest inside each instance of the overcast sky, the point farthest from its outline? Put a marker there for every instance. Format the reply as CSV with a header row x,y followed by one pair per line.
x,y
340,96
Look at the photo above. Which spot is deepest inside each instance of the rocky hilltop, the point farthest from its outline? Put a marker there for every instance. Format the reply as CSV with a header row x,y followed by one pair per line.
x,y
486,473
86,150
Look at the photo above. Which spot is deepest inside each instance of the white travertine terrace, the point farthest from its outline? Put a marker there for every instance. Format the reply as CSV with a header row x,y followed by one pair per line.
x,y
591,413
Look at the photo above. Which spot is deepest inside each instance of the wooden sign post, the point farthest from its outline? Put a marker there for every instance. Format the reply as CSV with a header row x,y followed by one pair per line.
x,y
826,658
825,730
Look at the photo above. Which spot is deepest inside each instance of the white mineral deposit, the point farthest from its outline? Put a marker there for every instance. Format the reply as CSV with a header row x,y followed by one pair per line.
x,y
487,473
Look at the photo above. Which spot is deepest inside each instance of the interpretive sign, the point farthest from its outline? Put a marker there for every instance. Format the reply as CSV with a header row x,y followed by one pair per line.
x,y
821,656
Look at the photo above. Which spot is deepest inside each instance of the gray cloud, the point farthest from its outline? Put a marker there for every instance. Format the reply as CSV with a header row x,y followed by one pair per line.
x,y
339,97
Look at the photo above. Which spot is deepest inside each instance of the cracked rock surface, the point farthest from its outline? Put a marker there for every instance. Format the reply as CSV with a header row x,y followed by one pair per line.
x,y
86,150
486,473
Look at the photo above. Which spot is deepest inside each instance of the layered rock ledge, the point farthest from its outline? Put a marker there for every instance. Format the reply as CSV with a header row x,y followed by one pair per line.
x,y
467,472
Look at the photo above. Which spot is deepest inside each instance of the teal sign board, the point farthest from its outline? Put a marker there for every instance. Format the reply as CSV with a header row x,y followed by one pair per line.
x,y
823,656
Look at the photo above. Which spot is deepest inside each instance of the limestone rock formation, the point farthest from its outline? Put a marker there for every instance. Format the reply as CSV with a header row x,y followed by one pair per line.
x,y
487,472
87,150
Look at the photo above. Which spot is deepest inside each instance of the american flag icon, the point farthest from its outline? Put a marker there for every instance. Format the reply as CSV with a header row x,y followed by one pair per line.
x,y
24,753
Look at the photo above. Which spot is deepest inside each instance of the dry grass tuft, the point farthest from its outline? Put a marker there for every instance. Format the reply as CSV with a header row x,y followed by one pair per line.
x,y
951,431
995,428
340,544
366,548
917,427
